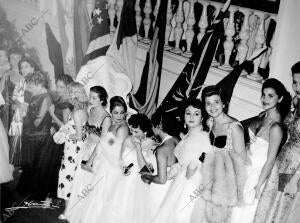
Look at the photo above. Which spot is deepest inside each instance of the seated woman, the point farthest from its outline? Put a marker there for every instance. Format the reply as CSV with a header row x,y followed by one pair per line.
x,y
280,201
165,158
36,129
178,203
266,135
223,171
91,194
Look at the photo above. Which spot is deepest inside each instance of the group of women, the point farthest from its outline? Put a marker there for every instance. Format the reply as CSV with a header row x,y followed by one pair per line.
x,y
111,166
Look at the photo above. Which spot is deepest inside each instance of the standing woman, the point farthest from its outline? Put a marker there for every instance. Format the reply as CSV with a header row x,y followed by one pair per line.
x,y
95,204
128,199
98,123
178,203
75,143
224,170
96,126
50,158
266,137
36,128
20,99
280,202
165,158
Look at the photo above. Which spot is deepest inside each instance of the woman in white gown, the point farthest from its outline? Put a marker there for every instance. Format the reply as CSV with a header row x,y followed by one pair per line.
x,y
129,197
6,169
179,201
266,137
164,129
93,189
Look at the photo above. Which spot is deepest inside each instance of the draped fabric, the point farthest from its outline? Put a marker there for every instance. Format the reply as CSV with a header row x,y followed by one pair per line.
x,y
190,81
124,44
146,97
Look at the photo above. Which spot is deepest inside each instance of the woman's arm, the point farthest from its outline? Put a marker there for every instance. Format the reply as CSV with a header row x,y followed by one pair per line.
x,y
122,133
43,110
275,137
162,161
140,157
80,117
238,142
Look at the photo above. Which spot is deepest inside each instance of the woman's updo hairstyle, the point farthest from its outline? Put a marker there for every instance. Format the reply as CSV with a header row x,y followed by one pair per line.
x,y
102,94
285,104
117,101
141,121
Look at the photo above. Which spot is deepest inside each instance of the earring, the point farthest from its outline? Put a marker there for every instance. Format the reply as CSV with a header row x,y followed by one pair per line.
x,y
184,126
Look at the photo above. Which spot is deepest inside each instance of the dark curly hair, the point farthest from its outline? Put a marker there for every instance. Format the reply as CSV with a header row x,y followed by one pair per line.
x,y
285,104
30,61
101,92
117,101
141,121
38,78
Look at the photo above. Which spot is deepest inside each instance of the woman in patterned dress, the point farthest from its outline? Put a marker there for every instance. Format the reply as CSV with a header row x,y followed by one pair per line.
x,y
90,201
280,199
74,145
96,127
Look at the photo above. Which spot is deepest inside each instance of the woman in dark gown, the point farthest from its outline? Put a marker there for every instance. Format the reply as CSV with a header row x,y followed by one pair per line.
x,y
51,154
36,129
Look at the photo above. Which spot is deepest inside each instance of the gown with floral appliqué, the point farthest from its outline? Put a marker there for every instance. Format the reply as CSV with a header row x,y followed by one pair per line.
x,y
258,154
179,201
127,200
224,175
274,206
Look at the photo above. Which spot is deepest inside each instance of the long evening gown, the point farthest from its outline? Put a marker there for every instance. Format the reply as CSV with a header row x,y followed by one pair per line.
x,y
72,156
274,206
122,198
51,154
6,169
258,153
179,201
34,139
83,179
